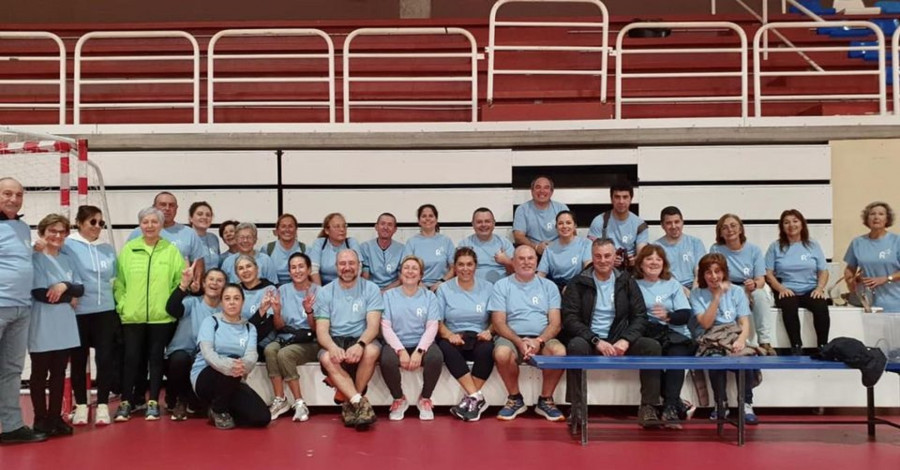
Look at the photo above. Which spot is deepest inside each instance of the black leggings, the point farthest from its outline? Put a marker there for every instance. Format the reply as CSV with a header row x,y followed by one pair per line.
x,y
97,330
673,379
789,313
178,373
432,361
718,379
455,357
52,363
228,394
145,343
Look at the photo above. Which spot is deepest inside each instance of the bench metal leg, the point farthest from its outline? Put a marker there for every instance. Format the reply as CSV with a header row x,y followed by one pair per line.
x,y
741,383
870,411
584,409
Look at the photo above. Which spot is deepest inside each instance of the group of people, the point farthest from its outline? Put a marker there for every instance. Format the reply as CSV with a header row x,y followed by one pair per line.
x,y
172,304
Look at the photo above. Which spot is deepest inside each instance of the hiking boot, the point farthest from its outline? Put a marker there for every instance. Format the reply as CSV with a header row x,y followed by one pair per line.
x,y
647,417
514,407
279,407
348,414
398,408
179,413
671,418
365,415
426,409
768,349
546,408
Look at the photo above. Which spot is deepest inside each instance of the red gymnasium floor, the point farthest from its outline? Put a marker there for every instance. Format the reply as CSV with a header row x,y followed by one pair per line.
x,y
529,442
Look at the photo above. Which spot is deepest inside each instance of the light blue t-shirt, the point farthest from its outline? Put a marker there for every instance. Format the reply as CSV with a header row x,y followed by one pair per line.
x,y
538,224
195,311
383,266
563,262
463,310
53,326
798,267
229,339
16,266
409,315
670,294
184,238
488,268
324,256
265,267
292,311
743,264
732,305
213,257
526,304
604,306
435,251
95,264
623,233
683,257
253,299
280,258
878,258
346,309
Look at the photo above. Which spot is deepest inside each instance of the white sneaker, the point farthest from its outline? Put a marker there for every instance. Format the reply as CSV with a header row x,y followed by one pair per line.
x,y
80,415
398,408
101,416
279,407
426,409
301,412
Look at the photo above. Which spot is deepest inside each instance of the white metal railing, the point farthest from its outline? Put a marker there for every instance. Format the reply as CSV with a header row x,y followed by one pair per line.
x,y
603,49
60,82
194,80
758,73
212,80
740,74
895,69
471,77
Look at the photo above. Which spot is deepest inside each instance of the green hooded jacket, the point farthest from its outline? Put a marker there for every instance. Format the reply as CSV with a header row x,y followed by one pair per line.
x,y
146,276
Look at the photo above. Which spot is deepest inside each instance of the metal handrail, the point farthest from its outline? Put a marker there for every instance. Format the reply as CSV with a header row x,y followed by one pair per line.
x,y
194,57
758,73
211,79
603,49
59,58
472,77
621,53
895,65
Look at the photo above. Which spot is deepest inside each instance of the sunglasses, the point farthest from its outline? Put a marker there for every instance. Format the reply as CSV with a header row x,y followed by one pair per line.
x,y
95,222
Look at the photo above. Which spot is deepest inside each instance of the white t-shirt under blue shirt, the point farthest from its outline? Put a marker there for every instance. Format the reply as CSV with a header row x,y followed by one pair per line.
x,y
798,267
669,294
526,304
538,225
604,306
383,266
346,309
683,257
463,310
563,262
435,251
488,268
623,233
743,264
409,315
184,238
732,305
878,258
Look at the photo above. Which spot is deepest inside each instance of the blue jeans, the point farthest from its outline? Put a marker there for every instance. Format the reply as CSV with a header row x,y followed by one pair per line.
x,y
13,342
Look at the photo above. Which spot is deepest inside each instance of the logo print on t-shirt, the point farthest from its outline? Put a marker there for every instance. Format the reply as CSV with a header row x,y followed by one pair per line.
x,y
243,342
746,271
104,265
535,300
437,252
388,267
884,254
549,225
728,315
804,257
687,257
625,238
659,299
479,308
356,307
420,312
574,260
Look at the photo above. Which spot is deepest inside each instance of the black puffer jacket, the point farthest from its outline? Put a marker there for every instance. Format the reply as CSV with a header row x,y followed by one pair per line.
x,y
578,309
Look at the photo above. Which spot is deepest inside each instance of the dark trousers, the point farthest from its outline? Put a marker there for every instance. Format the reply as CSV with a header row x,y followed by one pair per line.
x,y
673,380
718,379
224,393
52,363
650,379
97,330
455,357
178,385
432,361
145,343
789,313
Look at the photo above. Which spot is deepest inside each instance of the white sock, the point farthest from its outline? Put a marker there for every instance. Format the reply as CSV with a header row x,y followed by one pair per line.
x,y
355,399
298,402
477,395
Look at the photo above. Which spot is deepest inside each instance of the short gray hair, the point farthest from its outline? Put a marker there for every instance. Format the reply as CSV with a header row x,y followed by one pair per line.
x,y
249,258
151,211
598,242
247,226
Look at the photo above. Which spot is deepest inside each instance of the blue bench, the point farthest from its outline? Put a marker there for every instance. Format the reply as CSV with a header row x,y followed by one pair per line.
x,y
585,363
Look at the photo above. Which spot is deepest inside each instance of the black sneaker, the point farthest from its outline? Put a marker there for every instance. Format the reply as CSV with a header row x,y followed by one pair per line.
x,y
476,407
23,435
221,420
670,417
647,417
462,408
60,427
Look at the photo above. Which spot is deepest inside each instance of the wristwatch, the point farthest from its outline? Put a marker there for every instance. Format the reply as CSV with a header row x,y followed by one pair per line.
x,y
361,343
420,350
890,278
595,340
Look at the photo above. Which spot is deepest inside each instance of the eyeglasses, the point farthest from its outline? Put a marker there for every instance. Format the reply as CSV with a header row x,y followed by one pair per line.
x,y
95,222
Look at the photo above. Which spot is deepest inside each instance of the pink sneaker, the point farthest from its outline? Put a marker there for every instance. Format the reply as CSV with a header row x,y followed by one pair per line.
x,y
398,408
426,409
